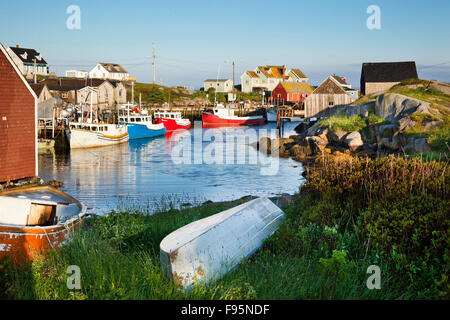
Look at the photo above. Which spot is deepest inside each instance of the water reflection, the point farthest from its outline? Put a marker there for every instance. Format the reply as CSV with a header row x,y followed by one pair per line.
x,y
142,173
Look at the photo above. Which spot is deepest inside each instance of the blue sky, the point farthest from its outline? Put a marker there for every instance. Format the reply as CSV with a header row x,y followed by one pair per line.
x,y
196,38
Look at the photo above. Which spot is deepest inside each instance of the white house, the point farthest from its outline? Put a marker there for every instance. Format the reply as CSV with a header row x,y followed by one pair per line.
x,y
29,61
111,71
266,78
221,85
79,74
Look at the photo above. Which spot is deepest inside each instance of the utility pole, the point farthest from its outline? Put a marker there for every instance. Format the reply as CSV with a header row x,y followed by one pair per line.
x,y
154,64
233,77
132,92
35,81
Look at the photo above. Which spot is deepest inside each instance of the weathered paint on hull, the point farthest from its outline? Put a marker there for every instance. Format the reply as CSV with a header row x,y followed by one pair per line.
x,y
204,250
22,244
23,235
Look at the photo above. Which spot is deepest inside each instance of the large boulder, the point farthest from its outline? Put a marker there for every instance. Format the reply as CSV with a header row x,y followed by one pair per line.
x,y
317,144
393,106
336,136
353,140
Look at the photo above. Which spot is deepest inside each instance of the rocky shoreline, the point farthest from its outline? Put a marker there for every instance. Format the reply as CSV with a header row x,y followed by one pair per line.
x,y
399,113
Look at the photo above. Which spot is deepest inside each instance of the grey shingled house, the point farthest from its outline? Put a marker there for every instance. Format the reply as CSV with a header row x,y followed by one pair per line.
x,y
381,76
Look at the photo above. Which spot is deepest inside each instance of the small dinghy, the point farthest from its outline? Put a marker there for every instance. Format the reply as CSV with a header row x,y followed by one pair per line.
x,y
204,250
36,219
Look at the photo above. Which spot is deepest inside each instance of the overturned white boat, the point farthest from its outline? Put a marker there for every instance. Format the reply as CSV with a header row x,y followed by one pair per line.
x,y
204,250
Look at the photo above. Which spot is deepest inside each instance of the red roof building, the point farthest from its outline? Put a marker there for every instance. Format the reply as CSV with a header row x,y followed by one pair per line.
x,y
18,123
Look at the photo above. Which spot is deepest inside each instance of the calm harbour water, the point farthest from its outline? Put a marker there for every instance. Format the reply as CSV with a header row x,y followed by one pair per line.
x,y
144,174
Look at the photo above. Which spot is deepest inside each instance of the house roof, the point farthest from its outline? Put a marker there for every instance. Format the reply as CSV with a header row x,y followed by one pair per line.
x,y
19,74
272,71
298,73
113,67
252,74
339,79
330,86
73,84
388,71
292,87
27,55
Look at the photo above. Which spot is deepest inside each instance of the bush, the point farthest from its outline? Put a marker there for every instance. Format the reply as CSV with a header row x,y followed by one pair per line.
x,y
397,207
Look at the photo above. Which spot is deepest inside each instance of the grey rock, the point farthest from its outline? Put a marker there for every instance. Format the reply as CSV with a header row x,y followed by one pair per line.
x,y
265,145
421,145
336,136
393,107
353,140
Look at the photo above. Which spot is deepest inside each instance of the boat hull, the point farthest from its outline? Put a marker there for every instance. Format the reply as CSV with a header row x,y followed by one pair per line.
x,y
44,219
171,124
141,131
22,245
87,139
204,250
211,119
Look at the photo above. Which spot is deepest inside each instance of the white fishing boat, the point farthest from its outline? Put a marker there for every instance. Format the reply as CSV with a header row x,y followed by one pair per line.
x,y
91,135
206,249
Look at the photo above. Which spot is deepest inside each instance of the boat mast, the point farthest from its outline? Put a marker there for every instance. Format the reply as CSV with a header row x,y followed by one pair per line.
x,y
90,111
215,89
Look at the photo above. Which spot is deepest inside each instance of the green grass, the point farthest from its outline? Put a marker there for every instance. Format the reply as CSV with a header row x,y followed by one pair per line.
x,y
343,123
423,92
388,212
119,259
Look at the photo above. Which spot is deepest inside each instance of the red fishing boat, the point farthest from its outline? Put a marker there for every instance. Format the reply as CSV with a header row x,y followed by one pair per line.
x,y
225,116
173,121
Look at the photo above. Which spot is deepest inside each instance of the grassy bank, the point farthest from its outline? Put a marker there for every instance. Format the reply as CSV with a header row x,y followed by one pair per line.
x,y
351,214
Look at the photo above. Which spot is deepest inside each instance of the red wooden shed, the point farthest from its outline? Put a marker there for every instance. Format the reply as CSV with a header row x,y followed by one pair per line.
x,y
18,123
291,92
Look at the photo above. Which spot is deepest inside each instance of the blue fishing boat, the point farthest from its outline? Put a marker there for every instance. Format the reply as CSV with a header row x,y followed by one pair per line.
x,y
139,125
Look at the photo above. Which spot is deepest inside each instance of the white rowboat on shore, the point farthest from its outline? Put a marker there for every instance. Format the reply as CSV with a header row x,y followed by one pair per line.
x,y
204,250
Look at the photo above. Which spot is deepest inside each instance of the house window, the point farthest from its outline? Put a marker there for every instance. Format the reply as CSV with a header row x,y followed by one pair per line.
x,y
64,95
330,103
